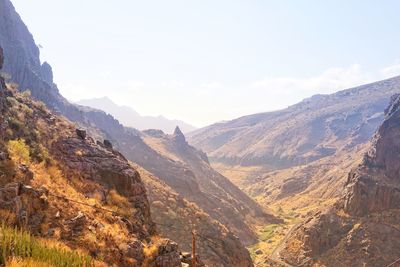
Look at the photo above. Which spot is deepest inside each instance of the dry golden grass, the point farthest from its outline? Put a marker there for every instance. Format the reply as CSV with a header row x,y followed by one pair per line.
x,y
18,262
119,203
150,251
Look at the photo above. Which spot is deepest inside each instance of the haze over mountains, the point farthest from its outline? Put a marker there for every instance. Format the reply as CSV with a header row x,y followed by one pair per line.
x,y
129,117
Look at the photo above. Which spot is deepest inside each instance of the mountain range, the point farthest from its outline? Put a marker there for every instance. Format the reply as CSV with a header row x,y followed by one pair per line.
x,y
310,130
130,118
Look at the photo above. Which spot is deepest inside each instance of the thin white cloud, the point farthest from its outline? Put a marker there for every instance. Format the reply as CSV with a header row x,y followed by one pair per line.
x,y
329,81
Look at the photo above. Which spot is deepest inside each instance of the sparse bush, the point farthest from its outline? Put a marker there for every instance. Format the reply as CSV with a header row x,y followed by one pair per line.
x,y
19,151
150,251
40,153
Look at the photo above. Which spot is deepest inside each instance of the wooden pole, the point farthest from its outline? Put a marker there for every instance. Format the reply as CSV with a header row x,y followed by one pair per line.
x,y
193,248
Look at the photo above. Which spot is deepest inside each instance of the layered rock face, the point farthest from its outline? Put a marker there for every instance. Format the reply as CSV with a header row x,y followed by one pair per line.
x,y
361,229
375,185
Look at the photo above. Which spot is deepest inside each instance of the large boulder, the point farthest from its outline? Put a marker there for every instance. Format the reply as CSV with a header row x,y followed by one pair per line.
x,y
168,255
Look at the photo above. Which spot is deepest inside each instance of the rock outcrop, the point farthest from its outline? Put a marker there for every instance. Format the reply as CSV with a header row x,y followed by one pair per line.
x,y
178,136
109,169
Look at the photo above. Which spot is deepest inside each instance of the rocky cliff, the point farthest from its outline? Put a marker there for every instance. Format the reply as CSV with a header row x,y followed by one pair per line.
x,y
361,229
375,185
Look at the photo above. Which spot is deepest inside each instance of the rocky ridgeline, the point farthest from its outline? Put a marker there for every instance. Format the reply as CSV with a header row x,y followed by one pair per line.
x,y
362,228
23,64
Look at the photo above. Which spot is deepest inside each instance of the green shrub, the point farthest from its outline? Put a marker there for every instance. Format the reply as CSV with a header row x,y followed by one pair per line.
x,y
19,151
20,244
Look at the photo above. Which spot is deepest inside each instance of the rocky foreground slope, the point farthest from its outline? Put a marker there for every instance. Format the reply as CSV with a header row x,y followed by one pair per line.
x,y
64,187
362,228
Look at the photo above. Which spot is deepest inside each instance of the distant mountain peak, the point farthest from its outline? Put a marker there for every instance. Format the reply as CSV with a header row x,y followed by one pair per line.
x,y
129,117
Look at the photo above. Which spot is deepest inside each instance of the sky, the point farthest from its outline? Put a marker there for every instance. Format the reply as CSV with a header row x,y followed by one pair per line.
x,y
204,61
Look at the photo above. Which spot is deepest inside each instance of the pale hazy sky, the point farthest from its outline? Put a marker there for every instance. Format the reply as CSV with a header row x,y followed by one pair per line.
x,y
204,61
